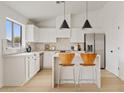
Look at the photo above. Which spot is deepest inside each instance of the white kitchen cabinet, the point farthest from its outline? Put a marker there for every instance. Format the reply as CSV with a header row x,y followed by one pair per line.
x,y
47,35
47,63
37,61
31,63
15,71
63,33
34,64
19,68
32,34
77,35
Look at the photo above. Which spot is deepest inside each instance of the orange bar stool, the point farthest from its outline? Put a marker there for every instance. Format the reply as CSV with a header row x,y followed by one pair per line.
x,y
66,61
88,61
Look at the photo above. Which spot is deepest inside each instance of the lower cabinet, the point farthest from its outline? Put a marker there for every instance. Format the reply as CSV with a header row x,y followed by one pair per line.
x,y
37,61
32,67
47,63
34,64
18,69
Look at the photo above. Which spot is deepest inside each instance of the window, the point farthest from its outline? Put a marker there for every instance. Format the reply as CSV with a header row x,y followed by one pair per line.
x,y
13,34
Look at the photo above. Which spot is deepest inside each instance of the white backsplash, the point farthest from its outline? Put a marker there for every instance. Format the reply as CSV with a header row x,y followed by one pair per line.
x,y
61,44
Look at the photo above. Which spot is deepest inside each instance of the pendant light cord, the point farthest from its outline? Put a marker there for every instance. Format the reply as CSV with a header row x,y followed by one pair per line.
x,y
86,10
94,43
64,9
82,8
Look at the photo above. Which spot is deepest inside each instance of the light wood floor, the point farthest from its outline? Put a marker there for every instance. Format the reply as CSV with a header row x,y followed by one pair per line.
x,y
42,82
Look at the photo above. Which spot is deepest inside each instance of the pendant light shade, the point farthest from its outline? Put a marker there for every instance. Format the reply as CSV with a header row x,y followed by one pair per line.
x,y
87,23
64,24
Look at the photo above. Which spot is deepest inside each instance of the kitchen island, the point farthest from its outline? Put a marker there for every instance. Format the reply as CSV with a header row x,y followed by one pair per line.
x,y
87,73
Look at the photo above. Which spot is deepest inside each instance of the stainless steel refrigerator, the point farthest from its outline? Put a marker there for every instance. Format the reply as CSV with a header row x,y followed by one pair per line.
x,y
95,42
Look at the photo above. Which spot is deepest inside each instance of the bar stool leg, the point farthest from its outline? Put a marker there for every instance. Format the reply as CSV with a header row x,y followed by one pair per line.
x,y
93,74
59,76
74,76
79,74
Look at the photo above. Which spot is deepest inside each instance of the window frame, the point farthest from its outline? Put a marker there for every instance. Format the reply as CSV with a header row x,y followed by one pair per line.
x,y
14,22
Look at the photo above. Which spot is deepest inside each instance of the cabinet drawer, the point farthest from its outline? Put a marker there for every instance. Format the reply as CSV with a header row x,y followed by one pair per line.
x,y
29,58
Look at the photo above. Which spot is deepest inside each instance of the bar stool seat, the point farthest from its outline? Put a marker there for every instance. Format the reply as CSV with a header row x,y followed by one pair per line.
x,y
87,64
66,61
67,64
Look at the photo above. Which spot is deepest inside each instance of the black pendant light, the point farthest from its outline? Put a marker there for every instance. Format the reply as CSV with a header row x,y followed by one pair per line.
x,y
87,23
64,23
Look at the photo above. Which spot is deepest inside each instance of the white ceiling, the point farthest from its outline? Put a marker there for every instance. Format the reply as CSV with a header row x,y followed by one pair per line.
x,y
42,10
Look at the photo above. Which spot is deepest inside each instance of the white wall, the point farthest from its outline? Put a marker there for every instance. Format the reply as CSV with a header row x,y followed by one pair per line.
x,y
6,12
51,23
107,20
112,23
77,21
121,38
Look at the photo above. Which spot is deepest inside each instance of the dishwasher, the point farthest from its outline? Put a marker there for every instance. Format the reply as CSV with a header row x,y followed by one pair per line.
x,y
41,61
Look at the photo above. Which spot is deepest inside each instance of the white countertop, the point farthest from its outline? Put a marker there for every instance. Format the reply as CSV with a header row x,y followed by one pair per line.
x,y
22,54
29,53
76,52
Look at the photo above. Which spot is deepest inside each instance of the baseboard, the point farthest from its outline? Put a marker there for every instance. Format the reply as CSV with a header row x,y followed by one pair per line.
x,y
112,72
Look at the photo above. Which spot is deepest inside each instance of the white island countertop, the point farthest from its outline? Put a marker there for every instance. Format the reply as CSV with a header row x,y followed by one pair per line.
x,y
77,60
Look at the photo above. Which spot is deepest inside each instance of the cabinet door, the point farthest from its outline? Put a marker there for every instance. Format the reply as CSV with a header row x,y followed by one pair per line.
x,y
32,66
29,33
37,59
77,35
32,33
47,35
27,68
63,33
48,59
36,34
37,64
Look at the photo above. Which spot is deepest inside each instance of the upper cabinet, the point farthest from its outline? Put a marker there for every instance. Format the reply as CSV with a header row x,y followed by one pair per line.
x,y
77,35
63,33
35,34
32,33
47,35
